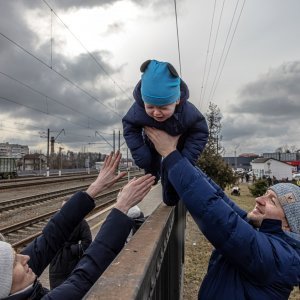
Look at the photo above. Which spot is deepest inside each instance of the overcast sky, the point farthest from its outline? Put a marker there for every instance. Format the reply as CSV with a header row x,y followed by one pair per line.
x,y
241,55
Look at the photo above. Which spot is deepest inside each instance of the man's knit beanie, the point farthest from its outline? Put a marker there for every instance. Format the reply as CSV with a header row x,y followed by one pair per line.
x,y
288,195
160,83
6,268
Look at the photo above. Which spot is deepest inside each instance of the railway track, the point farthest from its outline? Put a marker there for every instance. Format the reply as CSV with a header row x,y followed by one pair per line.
x,y
13,184
22,233
9,205
39,177
42,181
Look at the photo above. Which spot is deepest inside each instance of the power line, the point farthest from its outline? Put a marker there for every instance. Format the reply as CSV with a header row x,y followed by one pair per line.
x,y
47,97
58,73
40,111
178,46
218,80
223,50
207,51
90,54
213,52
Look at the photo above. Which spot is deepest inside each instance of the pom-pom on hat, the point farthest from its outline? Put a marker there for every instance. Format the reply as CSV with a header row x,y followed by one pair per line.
x,y
6,268
160,83
288,195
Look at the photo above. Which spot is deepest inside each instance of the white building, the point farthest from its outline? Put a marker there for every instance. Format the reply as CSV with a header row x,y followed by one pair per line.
x,y
272,167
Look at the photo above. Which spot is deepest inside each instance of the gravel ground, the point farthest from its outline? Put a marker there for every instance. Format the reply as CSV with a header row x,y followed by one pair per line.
x,y
14,216
198,251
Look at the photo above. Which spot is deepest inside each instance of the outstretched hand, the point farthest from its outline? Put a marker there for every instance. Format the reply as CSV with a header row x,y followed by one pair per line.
x,y
107,176
134,192
163,142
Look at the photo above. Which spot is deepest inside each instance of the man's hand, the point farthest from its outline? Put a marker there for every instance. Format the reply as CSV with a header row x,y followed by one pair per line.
x,y
107,176
134,192
163,142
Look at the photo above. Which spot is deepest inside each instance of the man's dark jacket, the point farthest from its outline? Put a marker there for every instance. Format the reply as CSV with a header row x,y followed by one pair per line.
x,y
105,247
247,264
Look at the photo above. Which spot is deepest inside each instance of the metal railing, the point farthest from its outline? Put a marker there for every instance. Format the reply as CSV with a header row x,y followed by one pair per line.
x,y
150,266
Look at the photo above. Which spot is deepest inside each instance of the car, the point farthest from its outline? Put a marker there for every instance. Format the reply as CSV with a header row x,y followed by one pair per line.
x,y
296,176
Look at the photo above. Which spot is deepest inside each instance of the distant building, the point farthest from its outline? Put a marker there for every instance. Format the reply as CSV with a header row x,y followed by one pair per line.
x,y
253,155
243,162
281,156
290,158
272,167
34,162
13,150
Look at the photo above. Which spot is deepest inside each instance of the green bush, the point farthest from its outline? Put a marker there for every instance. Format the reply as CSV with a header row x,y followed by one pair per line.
x,y
259,187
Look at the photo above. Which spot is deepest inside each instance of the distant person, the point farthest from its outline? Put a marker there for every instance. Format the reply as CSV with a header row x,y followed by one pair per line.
x,y
70,254
275,180
19,272
161,101
247,176
257,254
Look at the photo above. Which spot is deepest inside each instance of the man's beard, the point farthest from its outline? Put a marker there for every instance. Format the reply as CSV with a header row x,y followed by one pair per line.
x,y
254,220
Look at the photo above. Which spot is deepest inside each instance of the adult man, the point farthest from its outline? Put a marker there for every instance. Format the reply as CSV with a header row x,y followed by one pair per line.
x,y
247,263
18,272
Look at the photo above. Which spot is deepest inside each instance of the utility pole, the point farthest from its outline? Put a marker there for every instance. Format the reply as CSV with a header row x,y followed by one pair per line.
x,y
48,163
235,157
114,142
60,165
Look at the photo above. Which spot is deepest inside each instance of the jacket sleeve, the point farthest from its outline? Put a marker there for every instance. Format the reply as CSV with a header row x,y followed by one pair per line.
x,y
57,231
103,250
133,134
231,235
196,136
221,194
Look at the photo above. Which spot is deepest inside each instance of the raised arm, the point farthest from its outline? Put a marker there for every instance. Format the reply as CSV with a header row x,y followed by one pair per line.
x,y
61,225
107,244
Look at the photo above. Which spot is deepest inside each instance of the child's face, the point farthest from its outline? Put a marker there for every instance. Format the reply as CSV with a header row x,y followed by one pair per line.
x,y
160,113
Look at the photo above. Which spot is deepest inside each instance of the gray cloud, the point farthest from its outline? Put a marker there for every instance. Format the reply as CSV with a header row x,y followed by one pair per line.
x,y
50,101
267,109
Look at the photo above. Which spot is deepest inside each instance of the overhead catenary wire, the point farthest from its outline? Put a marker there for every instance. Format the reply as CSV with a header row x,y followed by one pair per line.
x,y
213,51
47,97
90,54
218,80
221,60
40,111
178,44
207,51
58,73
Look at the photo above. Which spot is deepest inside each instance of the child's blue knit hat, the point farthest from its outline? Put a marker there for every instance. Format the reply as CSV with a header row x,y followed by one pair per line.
x,y
288,195
160,83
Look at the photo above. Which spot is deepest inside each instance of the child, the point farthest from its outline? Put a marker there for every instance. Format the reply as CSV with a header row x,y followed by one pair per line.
x,y
161,102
